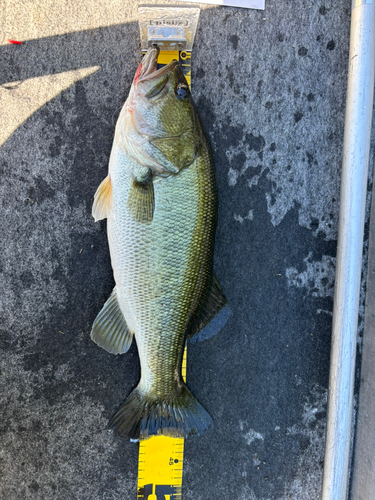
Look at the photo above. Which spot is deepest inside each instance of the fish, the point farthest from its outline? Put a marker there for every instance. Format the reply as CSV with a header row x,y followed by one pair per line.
x,y
160,202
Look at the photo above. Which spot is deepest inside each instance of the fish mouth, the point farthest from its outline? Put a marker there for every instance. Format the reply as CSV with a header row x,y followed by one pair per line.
x,y
150,63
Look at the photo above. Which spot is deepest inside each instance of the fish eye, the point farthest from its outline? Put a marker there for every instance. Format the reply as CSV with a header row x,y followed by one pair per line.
x,y
182,91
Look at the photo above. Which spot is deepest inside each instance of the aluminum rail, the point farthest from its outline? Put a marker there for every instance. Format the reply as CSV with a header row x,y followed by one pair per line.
x,y
349,249
363,479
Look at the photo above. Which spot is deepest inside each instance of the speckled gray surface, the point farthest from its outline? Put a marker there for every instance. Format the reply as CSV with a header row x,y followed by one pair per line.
x,y
270,88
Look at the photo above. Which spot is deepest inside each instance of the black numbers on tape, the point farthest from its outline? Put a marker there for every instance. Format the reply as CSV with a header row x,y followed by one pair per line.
x,y
162,492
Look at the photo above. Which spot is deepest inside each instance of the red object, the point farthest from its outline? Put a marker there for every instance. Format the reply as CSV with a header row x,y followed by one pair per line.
x,y
138,73
15,41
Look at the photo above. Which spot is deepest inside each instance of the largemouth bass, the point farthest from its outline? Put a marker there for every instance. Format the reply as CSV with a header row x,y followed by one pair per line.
x,y
159,199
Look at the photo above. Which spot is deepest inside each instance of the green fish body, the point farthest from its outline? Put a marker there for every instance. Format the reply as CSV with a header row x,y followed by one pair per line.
x,y
159,199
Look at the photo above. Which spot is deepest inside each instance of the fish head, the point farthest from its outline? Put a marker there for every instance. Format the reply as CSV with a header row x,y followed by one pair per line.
x,y
162,112
162,102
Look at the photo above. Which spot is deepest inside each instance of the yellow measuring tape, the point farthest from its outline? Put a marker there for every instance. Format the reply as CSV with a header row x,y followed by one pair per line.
x,y
160,463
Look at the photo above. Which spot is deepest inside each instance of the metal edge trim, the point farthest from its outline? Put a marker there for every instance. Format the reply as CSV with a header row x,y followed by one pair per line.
x,y
358,3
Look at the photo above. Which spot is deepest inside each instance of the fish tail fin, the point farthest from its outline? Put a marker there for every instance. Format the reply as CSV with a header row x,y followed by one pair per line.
x,y
142,416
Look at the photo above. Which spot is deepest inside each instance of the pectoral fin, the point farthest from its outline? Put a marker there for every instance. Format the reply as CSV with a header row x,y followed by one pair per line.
x,y
141,199
102,200
211,315
110,330
180,150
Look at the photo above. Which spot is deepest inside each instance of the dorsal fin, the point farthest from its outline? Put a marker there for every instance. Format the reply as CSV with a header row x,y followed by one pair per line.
x,y
102,200
211,315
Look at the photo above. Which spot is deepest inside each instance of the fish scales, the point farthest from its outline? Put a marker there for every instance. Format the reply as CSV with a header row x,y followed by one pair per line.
x,y
160,203
160,269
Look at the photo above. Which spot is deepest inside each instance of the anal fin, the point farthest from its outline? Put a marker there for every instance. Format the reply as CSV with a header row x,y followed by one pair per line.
x,y
110,330
211,315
